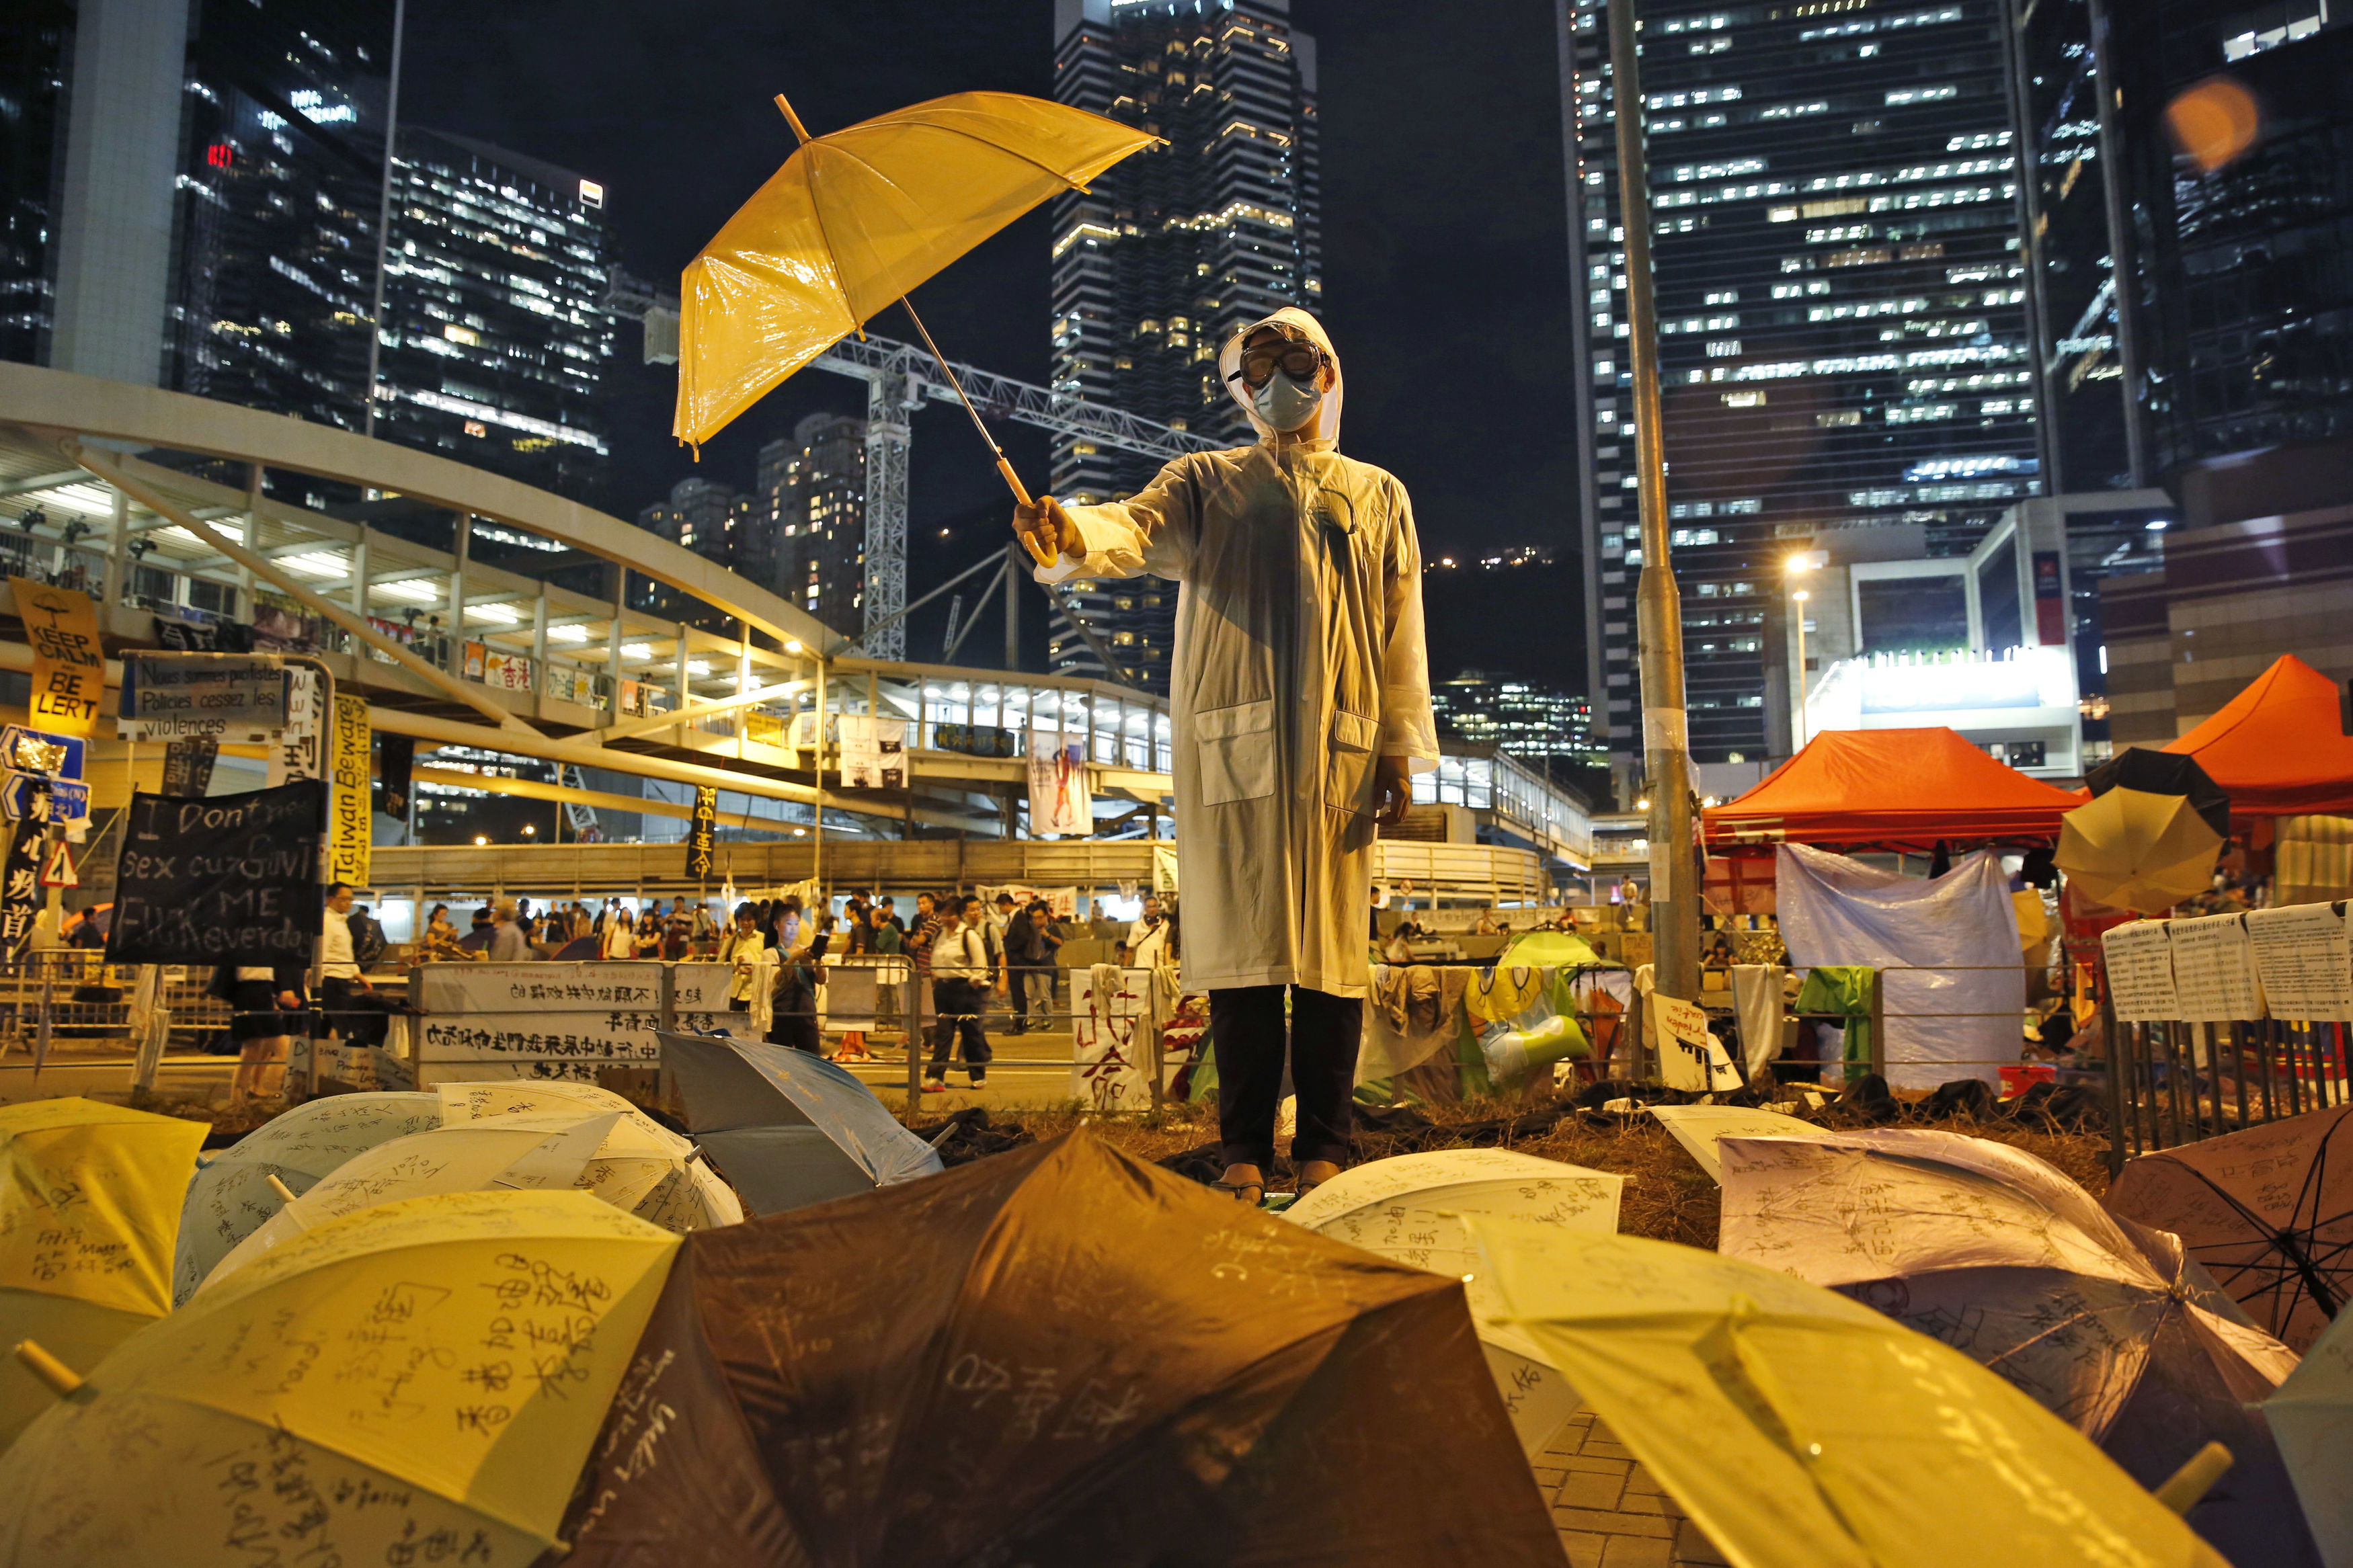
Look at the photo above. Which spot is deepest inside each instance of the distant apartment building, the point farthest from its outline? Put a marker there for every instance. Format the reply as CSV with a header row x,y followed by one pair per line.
x,y
1516,716
716,521
811,497
1173,250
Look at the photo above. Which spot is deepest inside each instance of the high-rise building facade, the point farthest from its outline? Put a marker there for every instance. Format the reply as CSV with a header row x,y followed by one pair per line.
x,y
34,39
1520,717
812,495
278,196
496,338
1174,249
715,520
1843,315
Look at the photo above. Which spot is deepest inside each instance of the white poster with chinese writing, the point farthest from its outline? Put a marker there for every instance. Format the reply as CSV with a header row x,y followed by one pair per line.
x,y
873,752
301,750
1111,1068
1058,800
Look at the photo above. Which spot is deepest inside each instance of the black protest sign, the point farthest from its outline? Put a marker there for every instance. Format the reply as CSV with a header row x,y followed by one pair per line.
x,y
232,880
704,835
397,766
188,764
20,882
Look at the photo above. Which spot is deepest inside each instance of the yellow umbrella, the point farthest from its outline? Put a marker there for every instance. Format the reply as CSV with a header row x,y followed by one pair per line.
x,y
2132,849
418,1382
857,218
89,1215
1798,1428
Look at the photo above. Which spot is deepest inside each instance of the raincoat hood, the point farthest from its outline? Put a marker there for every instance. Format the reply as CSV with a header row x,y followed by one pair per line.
x,y
1292,322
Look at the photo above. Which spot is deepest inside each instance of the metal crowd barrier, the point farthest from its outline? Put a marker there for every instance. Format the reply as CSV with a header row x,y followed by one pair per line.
x,y
2172,1083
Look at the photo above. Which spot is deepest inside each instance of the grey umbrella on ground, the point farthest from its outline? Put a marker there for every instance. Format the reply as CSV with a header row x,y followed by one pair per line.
x,y
788,1128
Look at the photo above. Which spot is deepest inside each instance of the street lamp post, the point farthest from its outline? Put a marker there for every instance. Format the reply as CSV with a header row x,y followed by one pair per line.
x,y
1796,566
1658,613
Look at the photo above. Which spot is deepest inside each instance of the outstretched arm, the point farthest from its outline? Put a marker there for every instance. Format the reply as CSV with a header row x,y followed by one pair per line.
x,y
1151,532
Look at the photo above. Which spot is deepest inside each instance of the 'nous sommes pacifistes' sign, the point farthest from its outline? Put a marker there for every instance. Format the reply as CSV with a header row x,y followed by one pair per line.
x,y
230,879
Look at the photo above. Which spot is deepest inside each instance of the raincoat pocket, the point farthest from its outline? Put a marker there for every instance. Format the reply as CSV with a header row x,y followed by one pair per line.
x,y
1349,775
1236,750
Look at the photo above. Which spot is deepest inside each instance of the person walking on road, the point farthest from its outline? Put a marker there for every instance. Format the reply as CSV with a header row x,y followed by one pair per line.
x,y
1300,692
960,987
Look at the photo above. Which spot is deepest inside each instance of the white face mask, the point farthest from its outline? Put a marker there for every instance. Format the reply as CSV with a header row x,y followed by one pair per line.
x,y
1285,404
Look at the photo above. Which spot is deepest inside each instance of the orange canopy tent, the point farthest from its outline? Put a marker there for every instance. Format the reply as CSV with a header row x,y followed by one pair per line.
x,y
2278,748
1899,789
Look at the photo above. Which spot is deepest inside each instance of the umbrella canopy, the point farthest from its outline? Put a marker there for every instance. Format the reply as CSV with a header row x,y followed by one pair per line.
x,y
2278,748
1803,1430
1410,1209
2111,1328
2268,1211
90,1205
855,219
1900,788
520,1152
2148,838
789,1129
1055,1355
642,1166
1697,1128
2312,1415
1550,949
231,1196
416,1383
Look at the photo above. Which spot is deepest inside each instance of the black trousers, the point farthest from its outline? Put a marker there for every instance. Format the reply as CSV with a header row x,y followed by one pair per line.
x,y
1246,1023
358,1016
958,1003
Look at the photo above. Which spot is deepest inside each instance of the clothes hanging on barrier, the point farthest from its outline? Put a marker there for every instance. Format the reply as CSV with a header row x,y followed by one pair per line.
x,y
1844,989
1416,1013
1756,1005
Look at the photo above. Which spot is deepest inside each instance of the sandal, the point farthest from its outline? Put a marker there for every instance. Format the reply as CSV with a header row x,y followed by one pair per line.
x,y
1238,1188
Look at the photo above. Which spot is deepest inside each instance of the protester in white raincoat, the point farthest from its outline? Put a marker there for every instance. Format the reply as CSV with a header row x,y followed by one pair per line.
x,y
1300,691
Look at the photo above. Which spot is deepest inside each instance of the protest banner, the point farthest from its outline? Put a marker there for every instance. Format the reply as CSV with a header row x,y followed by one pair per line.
x,y
69,664
399,770
347,850
704,833
233,879
1058,797
167,697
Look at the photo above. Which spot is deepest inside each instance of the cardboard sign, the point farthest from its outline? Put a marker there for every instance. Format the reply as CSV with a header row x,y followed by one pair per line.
x,y
873,752
188,764
233,879
1689,1057
353,826
69,664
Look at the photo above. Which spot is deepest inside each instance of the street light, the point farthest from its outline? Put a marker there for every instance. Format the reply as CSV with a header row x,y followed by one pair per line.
x,y
1797,567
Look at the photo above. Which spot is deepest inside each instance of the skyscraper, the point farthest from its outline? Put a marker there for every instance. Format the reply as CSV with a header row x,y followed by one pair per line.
x,y
34,34
812,495
1174,249
496,338
1842,314
713,519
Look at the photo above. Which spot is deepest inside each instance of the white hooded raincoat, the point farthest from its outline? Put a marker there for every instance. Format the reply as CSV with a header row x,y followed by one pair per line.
x,y
1299,661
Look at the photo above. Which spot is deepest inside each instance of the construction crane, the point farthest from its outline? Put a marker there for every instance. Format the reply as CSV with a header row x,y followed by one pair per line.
x,y
900,378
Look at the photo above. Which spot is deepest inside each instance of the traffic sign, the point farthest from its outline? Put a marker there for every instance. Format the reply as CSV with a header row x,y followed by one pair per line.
x,y
57,866
68,799
23,750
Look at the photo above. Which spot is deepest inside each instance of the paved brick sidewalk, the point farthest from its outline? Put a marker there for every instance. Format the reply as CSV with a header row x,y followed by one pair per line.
x,y
1612,1512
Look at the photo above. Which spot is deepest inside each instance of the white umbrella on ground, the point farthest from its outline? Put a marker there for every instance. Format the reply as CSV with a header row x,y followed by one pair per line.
x,y
1413,1209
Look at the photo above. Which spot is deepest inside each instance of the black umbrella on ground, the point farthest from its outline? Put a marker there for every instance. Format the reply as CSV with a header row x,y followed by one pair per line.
x,y
1059,1355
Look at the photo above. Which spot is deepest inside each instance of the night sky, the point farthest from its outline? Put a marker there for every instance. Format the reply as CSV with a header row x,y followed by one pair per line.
x,y
1444,241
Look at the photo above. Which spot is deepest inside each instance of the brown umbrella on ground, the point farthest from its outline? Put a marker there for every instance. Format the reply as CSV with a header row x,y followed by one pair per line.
x,y
2268,1211
1057,1356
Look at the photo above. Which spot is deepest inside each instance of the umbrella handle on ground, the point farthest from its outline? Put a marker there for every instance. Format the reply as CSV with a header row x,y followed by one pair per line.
x,y
2194,1479
61,1379
285,1194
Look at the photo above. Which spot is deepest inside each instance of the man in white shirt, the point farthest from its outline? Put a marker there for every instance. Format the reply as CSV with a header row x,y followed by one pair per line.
x,y
960,987
339,978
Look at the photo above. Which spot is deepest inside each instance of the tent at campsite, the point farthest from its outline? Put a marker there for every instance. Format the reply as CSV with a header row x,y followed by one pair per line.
x,y
1891,789
2278,748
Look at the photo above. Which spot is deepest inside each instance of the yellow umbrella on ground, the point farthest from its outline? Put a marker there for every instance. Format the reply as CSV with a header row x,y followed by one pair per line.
x,y
1803,1430
418,1382
88,1214
854,220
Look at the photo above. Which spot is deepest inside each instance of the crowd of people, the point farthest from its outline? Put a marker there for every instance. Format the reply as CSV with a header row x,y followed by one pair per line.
x,y
972,959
